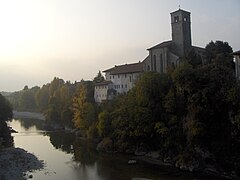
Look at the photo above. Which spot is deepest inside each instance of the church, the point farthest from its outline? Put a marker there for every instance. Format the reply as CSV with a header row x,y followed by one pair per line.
x,y
120,79
170,53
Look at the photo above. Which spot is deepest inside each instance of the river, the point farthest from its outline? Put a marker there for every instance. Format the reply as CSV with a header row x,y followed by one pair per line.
x,y
69,158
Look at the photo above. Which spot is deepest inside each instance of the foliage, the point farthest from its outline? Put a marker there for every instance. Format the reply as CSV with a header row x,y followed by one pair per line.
x,y
5,115
5,109
195,108
84,113
99,78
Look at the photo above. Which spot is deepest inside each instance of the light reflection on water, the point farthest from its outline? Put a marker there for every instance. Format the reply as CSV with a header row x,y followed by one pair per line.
x,y
67,157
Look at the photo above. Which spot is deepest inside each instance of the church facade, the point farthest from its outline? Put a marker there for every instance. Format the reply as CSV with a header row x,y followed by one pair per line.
x,y
170,53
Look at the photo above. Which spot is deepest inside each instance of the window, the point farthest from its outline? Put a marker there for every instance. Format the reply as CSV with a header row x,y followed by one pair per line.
x,y
161,63
122,85
185,19
113,76
125,75
130,78
118,76
110,77
125,85
176,18
148,68
154,63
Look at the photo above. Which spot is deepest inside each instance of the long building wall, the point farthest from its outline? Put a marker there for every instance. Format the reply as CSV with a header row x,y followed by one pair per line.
x,y
122,83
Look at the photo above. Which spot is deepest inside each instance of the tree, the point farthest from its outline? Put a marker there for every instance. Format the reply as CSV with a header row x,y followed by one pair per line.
x,y
5,109
5,115
83,110
99,78
220,52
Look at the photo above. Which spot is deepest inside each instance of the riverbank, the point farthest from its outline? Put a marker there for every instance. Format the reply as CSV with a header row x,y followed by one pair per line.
x,y
16,163
210,172
32,115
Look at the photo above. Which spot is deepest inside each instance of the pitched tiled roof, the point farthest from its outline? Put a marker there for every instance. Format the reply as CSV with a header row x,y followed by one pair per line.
x,y
236,53
161,45
103,83
126,68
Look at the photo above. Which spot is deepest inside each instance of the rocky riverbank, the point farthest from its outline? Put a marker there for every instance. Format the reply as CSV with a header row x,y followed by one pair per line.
x,y
16,163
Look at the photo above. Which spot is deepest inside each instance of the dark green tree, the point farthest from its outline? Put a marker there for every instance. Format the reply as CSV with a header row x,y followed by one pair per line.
x,y
99,78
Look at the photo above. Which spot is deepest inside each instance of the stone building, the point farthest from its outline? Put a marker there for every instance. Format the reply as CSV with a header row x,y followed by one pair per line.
x,y
102,91
119,79
237,64
170,53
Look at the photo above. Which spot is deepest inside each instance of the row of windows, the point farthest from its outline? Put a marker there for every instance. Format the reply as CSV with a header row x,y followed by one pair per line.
x,y
101,87
130,77
101,95
120,86
176,19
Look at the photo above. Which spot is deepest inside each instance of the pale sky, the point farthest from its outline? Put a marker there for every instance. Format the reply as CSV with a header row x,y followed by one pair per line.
x,y
74,39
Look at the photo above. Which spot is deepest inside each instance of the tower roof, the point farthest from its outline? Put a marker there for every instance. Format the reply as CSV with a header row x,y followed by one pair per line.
x,y
180,10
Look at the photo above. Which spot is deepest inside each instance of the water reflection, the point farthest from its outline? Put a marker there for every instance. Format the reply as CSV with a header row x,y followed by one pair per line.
x,y
68,157
27,124
62,141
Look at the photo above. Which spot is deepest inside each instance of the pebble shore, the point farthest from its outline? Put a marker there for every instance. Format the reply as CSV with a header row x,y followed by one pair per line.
x,y
16,163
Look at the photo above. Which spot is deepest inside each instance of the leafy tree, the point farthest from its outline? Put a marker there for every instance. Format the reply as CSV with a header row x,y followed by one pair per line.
x,y
83,110
42,98
99,78
5,109
27,99
5,115
220,52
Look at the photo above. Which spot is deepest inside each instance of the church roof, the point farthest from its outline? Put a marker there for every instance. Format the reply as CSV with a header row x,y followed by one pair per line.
x,y
126,68
236,53
161,45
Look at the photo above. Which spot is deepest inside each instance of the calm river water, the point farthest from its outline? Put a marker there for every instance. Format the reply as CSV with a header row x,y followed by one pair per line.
x,y
69,158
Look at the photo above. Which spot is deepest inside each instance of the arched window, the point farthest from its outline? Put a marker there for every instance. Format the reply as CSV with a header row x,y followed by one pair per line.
x,y
176,18
148,68
154,63
161,63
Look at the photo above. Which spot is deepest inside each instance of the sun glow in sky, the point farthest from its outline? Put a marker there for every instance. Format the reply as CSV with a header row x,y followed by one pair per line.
x,y
73,39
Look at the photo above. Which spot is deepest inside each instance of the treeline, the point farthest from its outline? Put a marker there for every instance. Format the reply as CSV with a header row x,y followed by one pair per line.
x,y
56,100
53,99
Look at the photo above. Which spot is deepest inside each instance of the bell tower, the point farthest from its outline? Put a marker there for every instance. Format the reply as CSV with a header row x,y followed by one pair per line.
x,y
181,32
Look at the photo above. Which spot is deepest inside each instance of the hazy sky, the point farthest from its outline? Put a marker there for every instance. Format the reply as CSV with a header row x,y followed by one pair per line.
x,y
73,39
